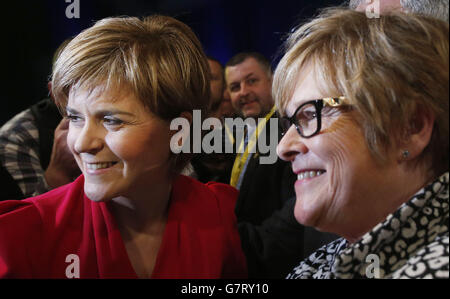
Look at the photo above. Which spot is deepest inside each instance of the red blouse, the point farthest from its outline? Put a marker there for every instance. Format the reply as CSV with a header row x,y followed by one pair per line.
x,y
200,240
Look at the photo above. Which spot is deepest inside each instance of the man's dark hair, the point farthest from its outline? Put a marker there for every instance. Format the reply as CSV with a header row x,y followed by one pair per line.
x,y
221,66
215,60
260,58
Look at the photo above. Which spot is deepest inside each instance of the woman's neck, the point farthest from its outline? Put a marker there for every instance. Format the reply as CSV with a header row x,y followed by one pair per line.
x,y
144,213
141,221
400,192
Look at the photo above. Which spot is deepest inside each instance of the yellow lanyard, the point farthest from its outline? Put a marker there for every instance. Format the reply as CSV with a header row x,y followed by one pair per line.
x,y
229,134
241,158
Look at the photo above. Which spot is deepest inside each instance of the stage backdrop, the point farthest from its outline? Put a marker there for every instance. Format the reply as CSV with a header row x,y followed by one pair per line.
x,y
32,30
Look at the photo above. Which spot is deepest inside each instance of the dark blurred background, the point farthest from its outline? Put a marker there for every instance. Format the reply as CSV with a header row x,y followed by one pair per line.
x,y
32,30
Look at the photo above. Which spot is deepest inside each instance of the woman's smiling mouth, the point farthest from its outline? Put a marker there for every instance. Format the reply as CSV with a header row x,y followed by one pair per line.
x,y
309,174
99,166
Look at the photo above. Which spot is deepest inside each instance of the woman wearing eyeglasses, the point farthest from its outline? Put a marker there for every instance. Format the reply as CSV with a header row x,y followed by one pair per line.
x,y
365,105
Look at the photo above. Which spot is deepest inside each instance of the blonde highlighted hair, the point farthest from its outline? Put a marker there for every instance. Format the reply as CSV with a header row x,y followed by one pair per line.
x,y
158,58
387,67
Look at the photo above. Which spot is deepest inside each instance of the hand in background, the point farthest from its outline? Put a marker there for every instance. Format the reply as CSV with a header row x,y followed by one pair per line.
x,y
62,168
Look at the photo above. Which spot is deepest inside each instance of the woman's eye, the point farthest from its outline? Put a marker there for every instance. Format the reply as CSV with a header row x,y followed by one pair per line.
x,y
73,118
307,114
112,121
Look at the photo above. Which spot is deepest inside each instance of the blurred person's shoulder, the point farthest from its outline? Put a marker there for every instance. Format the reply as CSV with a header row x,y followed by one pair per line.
x,y
213,199
29,213
22,123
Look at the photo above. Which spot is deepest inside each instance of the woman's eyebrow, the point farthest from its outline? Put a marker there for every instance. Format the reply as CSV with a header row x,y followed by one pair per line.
x,y
71,110
105,112
108,112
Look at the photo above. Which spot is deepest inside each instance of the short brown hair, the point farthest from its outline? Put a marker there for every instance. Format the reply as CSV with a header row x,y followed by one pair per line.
x,y
387,67
158,58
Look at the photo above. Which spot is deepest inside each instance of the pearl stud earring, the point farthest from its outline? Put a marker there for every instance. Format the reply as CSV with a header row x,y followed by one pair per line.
x,y
405,154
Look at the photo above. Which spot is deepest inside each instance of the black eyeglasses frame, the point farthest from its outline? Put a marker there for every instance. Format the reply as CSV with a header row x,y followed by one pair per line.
x,y
318,104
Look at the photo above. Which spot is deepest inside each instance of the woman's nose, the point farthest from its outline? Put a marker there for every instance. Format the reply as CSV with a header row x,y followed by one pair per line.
x,y
291,145
89,140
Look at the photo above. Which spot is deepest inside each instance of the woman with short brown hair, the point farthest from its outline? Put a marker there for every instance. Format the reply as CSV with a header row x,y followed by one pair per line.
x,y
130,214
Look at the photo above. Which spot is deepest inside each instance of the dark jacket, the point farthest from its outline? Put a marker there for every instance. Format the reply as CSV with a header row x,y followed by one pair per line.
x,y
265,187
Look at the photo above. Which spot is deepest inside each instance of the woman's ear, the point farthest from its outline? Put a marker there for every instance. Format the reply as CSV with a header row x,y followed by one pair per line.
x,y
418,134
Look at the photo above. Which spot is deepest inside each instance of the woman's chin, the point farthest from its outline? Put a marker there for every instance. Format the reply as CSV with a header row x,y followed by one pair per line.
x,y
305,216
96,195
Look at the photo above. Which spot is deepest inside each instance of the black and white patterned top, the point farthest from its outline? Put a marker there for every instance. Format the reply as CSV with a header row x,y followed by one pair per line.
x,y
19,153
413,242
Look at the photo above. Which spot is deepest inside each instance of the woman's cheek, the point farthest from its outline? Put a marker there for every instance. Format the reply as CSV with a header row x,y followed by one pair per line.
x,y
335,155
72,135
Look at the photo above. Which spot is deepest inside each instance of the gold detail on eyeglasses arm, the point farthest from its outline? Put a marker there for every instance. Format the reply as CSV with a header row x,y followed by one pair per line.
x,y
334,102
